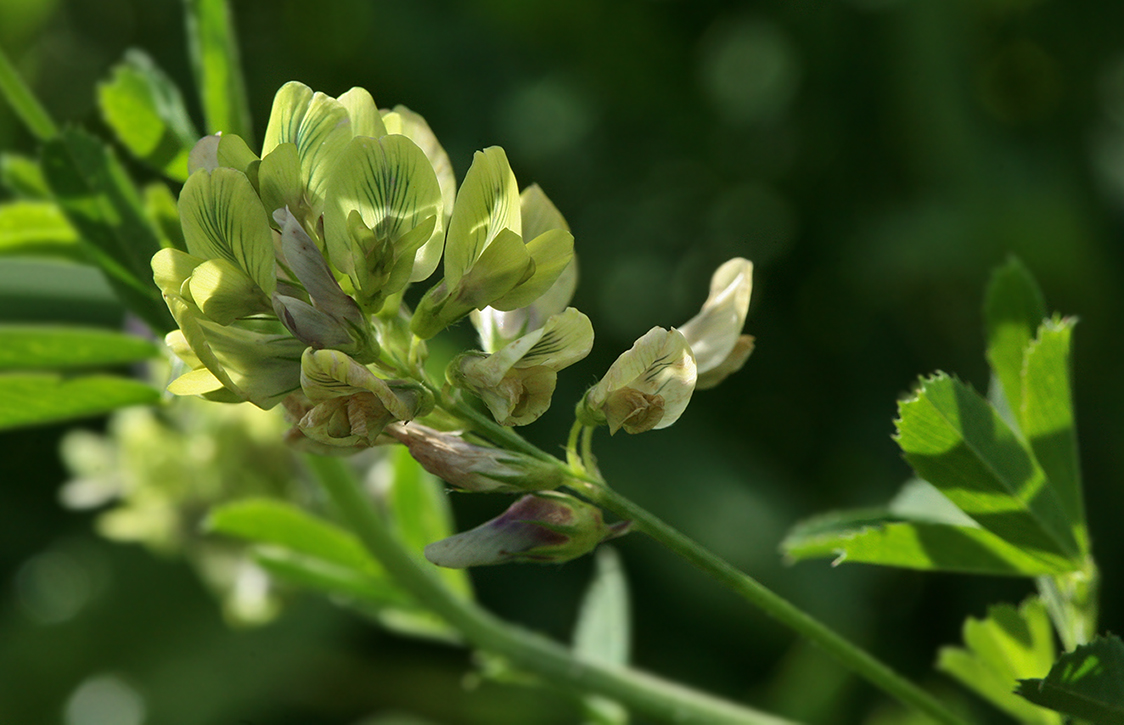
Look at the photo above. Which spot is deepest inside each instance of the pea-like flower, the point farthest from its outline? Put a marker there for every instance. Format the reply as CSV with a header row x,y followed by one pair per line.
x,y
715,334
547,527
352,405
648,387
488,260
517,381
468,466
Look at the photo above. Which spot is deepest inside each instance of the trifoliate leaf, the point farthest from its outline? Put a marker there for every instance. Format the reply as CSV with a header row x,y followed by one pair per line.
x,y
955,440
1013,309
1087,683
146,111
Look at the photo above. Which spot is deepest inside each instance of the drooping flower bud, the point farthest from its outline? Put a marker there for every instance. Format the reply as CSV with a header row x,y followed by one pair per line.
x,y
646,388
470,467
543,527
715,333
351,405
517,381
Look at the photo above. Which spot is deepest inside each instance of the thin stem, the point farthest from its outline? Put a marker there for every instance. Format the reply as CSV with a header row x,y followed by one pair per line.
x,y
573,458
23,101
772,604
526,650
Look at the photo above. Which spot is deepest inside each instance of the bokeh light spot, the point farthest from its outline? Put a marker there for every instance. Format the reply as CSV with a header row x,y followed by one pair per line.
x,y
105,700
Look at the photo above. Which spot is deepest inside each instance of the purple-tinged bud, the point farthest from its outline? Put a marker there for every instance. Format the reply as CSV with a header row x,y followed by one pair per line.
x,y
546,527
471,467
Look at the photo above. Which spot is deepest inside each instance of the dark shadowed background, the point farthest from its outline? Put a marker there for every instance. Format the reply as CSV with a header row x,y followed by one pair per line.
x,y
874,158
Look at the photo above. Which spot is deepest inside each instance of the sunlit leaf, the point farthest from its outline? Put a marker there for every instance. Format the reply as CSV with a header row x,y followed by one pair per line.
x,y
1013,309
146,111
955,440
22,176
1009,645
160,207
103,206
1086,683
1047,417
218,71
37,398
37,229
26,347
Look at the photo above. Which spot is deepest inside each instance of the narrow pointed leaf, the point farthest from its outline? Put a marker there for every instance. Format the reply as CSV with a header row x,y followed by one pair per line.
x,y
955,440
269,521
1009,645
487,204
162,212
218,70
223,218
1013,309
1086,683
100,202
26,347
876,537
38,398
146,111
37,229
23,176
324,576
603,632
1047,418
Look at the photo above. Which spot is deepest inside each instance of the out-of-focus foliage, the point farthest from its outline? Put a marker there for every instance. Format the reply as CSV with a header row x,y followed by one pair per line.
x,y
875,158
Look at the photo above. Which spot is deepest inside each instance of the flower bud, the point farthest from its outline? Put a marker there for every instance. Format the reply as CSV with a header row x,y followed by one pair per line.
x,y
352,405
647,387
715,333
542,527
470,467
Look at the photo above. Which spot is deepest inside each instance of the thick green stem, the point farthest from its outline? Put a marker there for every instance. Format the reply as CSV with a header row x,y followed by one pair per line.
x,y
772,604
23,101
526,650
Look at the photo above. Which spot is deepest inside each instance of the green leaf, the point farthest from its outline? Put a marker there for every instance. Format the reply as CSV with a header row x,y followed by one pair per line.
x,y
420,510
872,538
1007,646
1086,683
223,218
37,229
95,194
1013,309
218,71
487,204
269,521
25,347
603,632
316,574
955,440
146,111
162,212
1047,418
36,398
22,176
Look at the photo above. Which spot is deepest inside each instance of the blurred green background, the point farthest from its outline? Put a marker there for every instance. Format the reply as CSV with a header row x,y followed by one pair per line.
x,y
875,158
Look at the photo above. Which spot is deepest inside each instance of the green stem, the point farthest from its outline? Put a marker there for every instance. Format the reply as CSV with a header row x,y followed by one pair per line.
x,y
526,650
23,101
772,604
